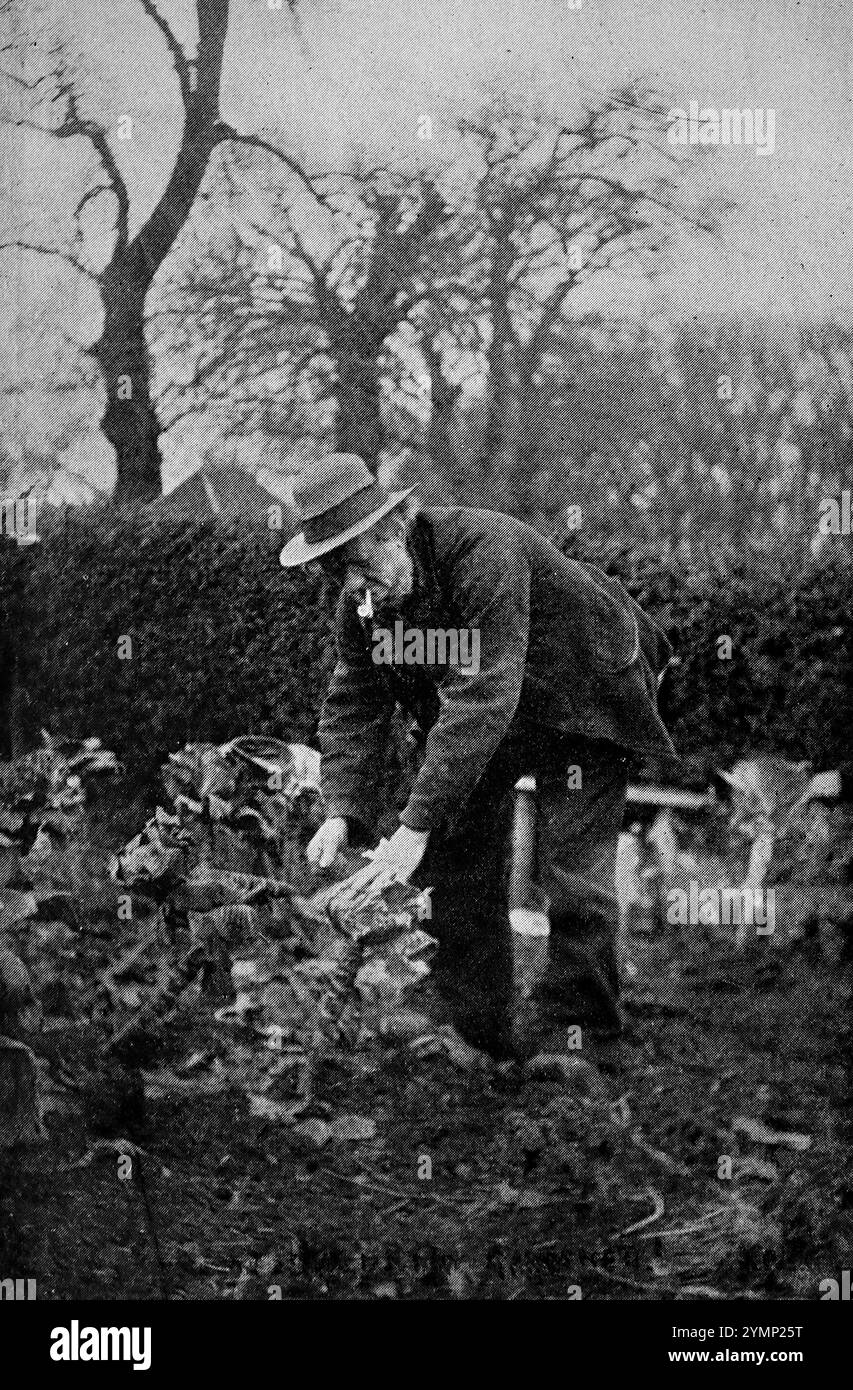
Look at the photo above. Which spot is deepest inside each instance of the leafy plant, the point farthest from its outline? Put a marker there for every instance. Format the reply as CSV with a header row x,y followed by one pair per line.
x,y
303,972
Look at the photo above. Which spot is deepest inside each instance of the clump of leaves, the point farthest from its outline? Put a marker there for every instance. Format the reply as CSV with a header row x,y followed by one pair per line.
x,y
298,973
43,819
769,834
239,805
245,799
43,792
156,860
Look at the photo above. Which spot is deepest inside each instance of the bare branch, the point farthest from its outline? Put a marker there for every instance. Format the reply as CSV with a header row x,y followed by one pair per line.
x,y
224,131
94,132
50,251
73,126
179,58
89,196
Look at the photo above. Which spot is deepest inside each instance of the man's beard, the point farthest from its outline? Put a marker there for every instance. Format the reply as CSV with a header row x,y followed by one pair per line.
x,y
391,589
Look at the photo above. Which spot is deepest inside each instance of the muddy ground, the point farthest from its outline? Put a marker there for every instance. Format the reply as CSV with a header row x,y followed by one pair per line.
x,y
651,1182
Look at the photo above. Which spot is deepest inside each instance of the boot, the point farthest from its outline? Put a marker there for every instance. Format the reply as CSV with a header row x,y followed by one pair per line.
x,y
574,992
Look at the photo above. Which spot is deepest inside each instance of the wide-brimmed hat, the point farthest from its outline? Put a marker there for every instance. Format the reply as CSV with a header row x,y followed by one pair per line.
x,y
336,498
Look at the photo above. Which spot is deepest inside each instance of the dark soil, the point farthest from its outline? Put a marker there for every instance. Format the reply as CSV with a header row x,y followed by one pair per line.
x,y
477,1183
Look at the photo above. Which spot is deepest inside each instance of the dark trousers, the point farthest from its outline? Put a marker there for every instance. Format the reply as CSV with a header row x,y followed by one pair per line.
x,y
468,868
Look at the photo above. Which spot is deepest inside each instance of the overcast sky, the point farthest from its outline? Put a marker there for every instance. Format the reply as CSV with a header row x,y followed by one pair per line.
x,y
380,64
368,70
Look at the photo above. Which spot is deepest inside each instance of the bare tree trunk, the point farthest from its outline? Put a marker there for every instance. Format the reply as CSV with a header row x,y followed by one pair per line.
x,y
526,435
357,337
130,421
13,611
443,400
497,447
7,692
359,426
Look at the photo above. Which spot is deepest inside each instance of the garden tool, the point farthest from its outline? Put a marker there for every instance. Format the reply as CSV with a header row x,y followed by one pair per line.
x,y
528,905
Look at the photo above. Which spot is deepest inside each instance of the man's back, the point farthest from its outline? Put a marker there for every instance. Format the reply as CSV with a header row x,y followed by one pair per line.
x,y
559,677
592,655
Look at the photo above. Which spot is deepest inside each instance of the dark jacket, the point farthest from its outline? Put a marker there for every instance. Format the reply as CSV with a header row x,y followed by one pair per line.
x,y
562,645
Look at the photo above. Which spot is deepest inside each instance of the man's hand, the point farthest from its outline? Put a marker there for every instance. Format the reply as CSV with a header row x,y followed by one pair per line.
x,y
393,861
326,844
824,784
403,852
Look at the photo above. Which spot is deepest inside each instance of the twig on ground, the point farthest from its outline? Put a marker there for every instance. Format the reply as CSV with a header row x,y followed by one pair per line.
x,y
125,1148
687,1230
647,1220
669,1164
152,1229
119,1146
397,1206
365,1186
633,1283
387,1191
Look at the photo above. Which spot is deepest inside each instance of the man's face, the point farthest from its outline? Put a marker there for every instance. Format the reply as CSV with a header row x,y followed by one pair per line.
x,y
377,560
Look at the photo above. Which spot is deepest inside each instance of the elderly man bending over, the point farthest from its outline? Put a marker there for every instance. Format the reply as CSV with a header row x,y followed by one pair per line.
x,y
512,659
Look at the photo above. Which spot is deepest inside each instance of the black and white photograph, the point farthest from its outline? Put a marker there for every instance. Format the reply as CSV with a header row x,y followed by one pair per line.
x,y
426,680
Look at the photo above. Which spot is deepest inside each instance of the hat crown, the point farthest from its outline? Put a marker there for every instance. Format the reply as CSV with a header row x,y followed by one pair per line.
x,y
337,498
328,482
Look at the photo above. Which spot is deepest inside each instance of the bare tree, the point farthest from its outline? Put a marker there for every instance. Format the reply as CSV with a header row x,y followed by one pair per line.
x,y
282,308
549,207
56,107
407,278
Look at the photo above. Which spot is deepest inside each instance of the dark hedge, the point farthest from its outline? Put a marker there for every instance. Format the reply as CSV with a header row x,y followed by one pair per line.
x,y
788,687
224,641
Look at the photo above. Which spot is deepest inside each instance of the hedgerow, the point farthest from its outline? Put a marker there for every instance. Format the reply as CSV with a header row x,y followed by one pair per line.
x,y
223,641
163,633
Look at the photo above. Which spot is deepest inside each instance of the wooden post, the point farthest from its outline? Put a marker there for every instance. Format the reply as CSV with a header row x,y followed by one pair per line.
x,y
20,1113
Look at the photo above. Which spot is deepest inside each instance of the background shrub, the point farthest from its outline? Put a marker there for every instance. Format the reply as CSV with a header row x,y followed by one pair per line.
x,y
787,688
225,641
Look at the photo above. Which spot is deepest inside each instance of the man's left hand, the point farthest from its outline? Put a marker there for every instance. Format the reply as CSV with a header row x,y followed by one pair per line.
x,y
393,861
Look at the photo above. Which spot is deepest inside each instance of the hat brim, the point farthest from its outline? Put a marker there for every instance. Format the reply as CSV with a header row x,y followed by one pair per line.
x,y
299,552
